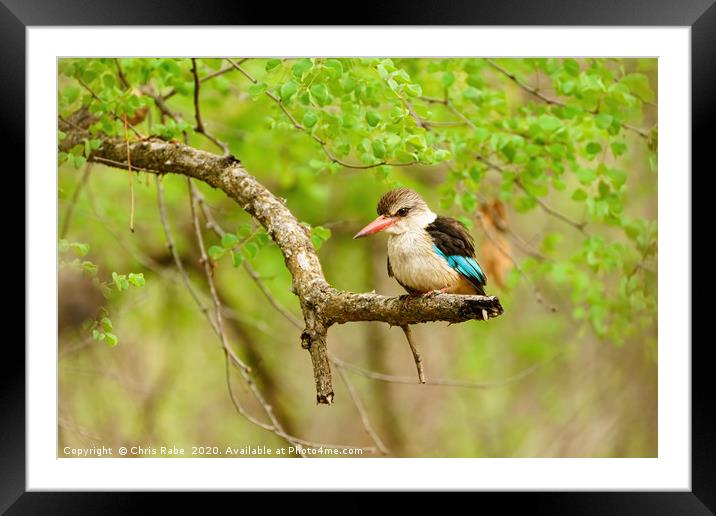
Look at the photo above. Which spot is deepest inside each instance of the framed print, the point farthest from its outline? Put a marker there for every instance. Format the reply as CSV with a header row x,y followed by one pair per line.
x,y
427,257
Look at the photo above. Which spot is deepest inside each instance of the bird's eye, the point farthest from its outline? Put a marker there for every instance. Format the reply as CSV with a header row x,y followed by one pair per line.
x,y
402,212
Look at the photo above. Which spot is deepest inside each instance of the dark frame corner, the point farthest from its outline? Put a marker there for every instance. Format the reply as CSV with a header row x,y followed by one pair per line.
x,y
700,15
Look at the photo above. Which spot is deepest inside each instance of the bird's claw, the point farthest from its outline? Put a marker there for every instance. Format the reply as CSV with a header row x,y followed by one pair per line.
x,y
406,298
433,293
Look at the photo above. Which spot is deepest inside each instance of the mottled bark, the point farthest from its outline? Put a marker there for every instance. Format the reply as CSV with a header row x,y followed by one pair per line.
x,y
322,305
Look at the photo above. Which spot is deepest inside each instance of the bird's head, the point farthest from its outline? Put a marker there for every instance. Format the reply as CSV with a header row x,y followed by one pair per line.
x,y
399,211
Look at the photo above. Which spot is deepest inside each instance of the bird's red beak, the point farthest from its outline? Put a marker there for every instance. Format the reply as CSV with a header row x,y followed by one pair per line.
x,y
378,224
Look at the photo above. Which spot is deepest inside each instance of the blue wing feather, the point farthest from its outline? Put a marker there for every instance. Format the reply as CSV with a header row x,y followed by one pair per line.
x,y
465,265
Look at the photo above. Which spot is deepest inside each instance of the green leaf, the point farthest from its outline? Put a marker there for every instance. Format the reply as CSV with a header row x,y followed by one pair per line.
x,y
310,119
579,195
216,252
271,64
136,279
593,148
106,324
468,200
373,118
549,123
80,249
237,258
257,89
244,230
251,250
603,120
586,175
638,83
335,67
229,240
89,268
618,148
111,339
448,79
319,235
378,149
320,93
571,67
288,89
302,66
413,90
120,281
317,164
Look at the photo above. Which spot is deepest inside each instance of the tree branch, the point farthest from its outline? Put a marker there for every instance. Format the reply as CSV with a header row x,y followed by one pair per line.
x,y
321,304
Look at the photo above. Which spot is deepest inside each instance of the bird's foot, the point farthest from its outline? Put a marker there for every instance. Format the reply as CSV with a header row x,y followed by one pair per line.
x,y
433,293
407,298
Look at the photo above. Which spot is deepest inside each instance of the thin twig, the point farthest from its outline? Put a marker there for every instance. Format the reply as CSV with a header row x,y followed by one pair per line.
x,y
324,146
508,255
389,378
197,112
73,201
121,76
208,77
115,115
131,176
554,102
579,226
177,260
210,280
416,354
367,426
216,228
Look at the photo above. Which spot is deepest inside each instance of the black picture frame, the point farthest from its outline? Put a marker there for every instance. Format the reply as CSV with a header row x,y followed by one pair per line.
x,y
700,15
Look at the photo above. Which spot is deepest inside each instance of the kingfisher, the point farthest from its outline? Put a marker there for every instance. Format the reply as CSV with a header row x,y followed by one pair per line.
x,y
427,253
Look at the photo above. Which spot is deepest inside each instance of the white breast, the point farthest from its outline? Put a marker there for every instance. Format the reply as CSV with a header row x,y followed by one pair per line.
x,y
415,263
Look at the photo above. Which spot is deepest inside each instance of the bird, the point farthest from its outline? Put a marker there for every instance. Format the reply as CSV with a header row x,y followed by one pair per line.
x,y
428,253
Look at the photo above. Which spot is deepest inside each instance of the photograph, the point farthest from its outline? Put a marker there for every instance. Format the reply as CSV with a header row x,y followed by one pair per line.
x,y
357,257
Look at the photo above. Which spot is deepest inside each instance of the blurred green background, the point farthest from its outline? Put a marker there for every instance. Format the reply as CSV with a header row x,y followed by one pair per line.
x,y
570,368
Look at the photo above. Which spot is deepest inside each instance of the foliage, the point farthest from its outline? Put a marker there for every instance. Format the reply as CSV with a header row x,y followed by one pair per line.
x,y
384,114
69,256
567,147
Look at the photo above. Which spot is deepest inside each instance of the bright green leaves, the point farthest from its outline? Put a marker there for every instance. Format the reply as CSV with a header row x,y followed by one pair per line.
x,y
120,281
373,118
288,90
244,244
638,84
301,68
320,93
319,235
603,120
310,118
136,279
549,123
593,148
272,64
571,67
69,257
229,240
258,89
586,175
79,249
